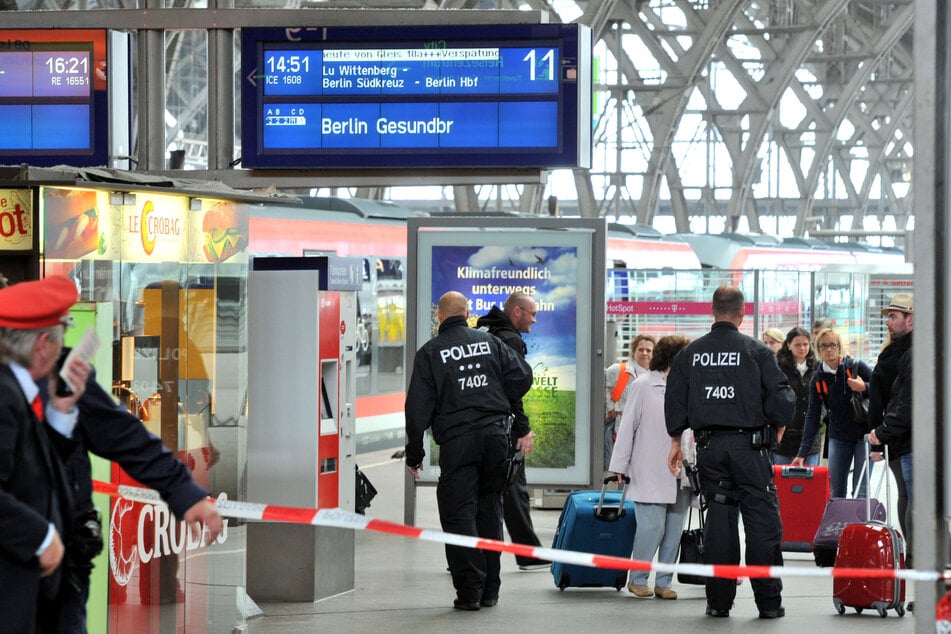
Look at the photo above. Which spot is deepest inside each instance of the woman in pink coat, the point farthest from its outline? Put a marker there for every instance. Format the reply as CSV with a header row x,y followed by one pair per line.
x,y
640,451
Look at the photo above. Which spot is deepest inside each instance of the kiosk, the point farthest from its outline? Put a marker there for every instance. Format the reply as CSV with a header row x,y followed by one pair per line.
x,y
301,358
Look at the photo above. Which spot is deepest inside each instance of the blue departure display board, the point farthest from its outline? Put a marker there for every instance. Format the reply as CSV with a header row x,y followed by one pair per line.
x,y
396,97
53,97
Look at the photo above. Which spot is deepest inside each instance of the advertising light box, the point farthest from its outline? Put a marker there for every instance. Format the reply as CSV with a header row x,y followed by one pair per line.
x,y
395,97
53,97
553,267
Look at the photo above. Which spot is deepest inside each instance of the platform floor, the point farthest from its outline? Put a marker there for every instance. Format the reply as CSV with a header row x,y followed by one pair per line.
x,y
402,586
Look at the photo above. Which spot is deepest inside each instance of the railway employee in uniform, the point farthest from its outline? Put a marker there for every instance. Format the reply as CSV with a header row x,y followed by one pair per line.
x,y
464,385
728,388
34,495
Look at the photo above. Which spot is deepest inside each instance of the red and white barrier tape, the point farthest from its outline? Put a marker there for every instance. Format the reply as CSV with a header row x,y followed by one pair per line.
x,y
339,518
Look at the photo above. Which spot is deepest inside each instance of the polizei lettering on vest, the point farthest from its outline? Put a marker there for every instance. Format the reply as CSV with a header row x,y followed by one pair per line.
x,y
458,353
716,358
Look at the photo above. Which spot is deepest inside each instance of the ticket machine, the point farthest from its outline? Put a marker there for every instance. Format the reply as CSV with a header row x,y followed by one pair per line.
x,y
301,421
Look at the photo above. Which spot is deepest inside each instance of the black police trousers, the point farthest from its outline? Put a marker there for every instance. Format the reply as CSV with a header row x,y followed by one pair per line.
x,y
739,479
469,495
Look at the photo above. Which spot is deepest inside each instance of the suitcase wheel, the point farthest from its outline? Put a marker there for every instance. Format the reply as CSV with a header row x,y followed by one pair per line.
x,y
839,606
563,581
900,609
859,610
882,612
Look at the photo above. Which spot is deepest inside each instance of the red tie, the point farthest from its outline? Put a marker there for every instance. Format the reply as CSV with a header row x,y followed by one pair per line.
x,y
38,407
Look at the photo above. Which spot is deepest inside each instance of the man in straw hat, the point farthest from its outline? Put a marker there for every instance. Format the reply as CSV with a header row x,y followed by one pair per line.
x,y
889,412
34,498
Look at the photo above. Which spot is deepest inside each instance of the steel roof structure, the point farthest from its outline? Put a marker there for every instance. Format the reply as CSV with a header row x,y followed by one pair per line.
x,y
774,116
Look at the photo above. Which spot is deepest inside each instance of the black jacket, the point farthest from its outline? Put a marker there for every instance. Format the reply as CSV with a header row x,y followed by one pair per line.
x,y
895,430
792,437
883,378
32,495
463,379
498,324
726,379
111,432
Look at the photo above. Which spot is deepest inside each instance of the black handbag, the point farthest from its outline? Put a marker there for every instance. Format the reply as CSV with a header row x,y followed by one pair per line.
x,y
691,548
365,492
859,408
859,404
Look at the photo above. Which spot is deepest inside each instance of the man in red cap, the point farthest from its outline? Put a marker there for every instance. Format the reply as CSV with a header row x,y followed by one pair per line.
x,y
34,498
89,420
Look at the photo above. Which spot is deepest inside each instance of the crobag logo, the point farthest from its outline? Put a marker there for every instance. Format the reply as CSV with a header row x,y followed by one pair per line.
x,y
152,225
148,237
143,532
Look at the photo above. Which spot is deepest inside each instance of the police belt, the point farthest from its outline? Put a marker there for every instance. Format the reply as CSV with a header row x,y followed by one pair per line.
x,y
759,436
716,431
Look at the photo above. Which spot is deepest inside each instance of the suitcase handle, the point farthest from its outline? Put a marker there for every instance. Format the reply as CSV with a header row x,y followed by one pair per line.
x,y
805,473
611,513
867,475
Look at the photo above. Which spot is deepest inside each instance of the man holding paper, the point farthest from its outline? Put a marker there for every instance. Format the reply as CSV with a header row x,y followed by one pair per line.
x,y
34,494
89,419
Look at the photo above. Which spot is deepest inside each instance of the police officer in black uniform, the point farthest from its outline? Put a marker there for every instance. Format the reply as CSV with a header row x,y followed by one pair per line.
x,y
463,384
728,388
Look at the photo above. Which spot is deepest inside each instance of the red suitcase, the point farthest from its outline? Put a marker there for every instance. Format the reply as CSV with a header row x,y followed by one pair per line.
x,y
872,544
803,493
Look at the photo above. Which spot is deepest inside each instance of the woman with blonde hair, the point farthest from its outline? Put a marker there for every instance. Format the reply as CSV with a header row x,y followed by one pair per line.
x,y
833,382
774,338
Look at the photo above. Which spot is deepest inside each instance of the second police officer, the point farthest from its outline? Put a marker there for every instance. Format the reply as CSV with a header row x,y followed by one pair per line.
x,y
463,386
728,388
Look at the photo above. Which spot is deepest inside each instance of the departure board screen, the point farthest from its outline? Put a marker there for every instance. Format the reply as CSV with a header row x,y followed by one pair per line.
x,y
463,96
53,97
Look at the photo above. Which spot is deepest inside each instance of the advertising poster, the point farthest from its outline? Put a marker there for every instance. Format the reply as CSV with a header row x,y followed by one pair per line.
x,y
551,269
79,224
16,220
219,232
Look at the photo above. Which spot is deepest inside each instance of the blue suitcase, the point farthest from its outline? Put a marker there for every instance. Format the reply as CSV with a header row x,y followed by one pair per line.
x,y
595,522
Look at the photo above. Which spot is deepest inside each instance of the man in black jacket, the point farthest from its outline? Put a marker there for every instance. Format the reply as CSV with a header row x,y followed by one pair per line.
x,y
508,324
463,386
889,412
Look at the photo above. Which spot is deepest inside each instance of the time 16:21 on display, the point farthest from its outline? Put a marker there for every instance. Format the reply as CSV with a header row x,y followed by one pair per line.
x,y
45,74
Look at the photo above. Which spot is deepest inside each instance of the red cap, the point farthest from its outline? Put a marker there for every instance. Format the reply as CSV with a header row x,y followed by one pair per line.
x,y
38,304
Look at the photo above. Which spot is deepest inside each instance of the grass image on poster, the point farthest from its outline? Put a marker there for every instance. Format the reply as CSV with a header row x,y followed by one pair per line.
x,y
487,275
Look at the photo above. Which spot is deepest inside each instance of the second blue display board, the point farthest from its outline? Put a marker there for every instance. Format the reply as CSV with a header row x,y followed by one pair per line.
x,y
463,96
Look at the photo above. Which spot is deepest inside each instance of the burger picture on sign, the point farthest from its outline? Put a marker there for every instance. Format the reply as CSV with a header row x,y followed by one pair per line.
x,y
225,228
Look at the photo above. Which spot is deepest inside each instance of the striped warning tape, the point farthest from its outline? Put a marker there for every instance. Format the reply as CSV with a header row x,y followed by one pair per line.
x,y
339,518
